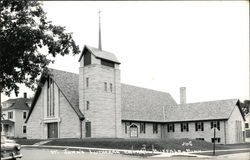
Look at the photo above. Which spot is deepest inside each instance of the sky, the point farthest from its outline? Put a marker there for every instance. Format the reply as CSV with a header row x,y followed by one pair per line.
x,y
164,45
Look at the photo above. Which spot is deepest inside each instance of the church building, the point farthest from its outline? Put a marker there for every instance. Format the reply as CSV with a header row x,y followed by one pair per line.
x,y
95,104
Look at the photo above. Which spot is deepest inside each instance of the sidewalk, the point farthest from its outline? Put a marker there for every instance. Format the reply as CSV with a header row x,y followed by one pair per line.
x,y
199,154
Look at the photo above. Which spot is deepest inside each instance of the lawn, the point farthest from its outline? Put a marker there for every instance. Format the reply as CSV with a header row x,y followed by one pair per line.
x,y
23,141
137,144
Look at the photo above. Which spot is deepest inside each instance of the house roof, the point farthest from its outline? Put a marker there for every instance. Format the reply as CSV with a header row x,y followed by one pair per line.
x,y
212,110
141,104
18,103
13,100
100,54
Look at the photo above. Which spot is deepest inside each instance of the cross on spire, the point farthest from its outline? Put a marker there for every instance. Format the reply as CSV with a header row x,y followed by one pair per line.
x,y
100,38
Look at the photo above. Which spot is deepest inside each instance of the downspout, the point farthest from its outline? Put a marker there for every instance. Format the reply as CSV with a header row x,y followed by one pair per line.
x,y
81,120
225,132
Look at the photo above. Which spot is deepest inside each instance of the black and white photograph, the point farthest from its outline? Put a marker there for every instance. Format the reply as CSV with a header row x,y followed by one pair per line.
x,y
124,80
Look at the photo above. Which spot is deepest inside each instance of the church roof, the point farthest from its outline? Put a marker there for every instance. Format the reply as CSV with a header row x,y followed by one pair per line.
x,y
212,110
18,103
67,83
100,54
141,104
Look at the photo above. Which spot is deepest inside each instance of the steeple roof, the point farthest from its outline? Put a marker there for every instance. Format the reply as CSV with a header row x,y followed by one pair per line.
x,y
100,54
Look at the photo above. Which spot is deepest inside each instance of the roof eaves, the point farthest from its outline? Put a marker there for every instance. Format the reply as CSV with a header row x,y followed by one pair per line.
x,y
36,96
79,114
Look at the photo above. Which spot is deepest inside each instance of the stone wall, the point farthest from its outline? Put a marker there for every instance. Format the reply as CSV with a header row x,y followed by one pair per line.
x,y
104,106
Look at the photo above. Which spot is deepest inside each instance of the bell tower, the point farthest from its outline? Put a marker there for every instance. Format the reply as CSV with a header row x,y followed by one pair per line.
x,y
100,92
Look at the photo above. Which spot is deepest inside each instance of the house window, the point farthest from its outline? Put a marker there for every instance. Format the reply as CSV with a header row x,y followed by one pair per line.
x,y
111,87
184,127
199,126
215,124
50,98
142,127
24,129
105,86
215,139
24,115
10,115
87,105
126,126
87,82
246,125
170,127
201,139
155,128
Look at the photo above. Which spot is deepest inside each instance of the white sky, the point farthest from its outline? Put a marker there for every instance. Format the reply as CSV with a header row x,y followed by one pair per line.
x,y
165,45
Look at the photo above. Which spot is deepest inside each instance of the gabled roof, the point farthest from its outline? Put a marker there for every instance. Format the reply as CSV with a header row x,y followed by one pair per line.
x,y
100,54
212,110
19,103
13,100
141,104
67,83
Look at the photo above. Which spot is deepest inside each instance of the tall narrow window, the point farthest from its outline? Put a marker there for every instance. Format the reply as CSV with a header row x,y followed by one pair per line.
x,y
155,128
184,127
50,99
105,86
142,127
111,87
24,115
87,105
215,124
10,115
24,129
170,127
199,126
87,82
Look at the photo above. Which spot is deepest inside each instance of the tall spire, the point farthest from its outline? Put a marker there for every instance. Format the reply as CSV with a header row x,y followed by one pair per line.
x,y
100,38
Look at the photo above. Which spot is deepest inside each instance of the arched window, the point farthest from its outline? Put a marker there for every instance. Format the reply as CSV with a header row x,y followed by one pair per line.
x,y
133,130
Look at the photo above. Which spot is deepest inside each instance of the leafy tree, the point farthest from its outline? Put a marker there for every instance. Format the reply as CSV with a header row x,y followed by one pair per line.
x,y
24,29
245,106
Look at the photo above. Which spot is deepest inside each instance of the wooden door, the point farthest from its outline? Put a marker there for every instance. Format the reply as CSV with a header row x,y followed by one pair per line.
x,y
52,130
88,129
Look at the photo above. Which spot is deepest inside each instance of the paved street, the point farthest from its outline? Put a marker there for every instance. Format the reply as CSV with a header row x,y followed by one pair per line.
x,y
48,154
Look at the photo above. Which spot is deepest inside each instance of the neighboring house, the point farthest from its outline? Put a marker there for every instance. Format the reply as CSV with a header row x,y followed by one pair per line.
x,y
15,112
247,126
95,104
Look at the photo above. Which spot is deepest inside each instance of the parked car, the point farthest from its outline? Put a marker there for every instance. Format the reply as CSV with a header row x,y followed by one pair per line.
x,y
10,149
